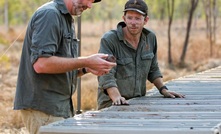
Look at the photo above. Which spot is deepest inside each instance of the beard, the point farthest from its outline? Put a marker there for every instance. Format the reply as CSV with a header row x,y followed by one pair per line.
x,y
78,12
77,9
134,30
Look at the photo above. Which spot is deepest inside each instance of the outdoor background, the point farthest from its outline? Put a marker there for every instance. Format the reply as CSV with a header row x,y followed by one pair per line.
x,y
188,34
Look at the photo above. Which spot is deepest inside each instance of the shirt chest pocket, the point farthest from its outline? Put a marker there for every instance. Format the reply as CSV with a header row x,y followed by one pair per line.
x,y
147,56
146,61
125,68
68,46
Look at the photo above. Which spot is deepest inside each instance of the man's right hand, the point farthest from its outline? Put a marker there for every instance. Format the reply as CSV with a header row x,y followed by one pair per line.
x,y
97,64
116,97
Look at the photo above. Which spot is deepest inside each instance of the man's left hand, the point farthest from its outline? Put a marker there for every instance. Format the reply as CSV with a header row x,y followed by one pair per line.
x,y
171,94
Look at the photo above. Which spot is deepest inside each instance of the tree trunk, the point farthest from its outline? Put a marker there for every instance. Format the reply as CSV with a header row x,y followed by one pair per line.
x,y
192,9
210,28
170,7
215,12
211,15
207,7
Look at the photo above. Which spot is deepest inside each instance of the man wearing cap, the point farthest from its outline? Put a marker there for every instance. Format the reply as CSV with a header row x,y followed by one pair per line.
x,y
49,64
135,49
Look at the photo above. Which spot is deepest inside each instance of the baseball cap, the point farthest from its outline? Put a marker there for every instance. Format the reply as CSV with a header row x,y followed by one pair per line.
x,y
136,5
96,1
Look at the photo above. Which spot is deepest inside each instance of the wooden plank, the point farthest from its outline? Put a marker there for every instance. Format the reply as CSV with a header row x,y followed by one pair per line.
x,y
167,108
150,115
198,113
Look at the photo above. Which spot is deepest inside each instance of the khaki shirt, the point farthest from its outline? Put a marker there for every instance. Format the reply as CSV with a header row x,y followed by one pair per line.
x,y
133,68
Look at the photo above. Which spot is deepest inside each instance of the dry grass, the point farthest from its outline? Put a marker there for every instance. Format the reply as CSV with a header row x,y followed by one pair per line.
x,y
197,58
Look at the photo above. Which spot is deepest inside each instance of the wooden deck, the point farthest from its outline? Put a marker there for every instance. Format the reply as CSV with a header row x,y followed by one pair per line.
x,y
198,113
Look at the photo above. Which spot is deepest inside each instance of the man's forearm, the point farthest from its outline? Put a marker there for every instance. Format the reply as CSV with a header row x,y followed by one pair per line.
x,y
158,82
113,92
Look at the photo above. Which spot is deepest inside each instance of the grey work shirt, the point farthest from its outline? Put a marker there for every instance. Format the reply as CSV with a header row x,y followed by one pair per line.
x,y
133,68
50,33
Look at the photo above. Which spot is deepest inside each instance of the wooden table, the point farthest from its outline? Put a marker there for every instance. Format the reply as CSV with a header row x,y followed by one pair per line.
x,y
198,113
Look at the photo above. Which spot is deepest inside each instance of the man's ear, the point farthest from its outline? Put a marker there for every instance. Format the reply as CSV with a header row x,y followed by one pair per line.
x,y
123,17
146,19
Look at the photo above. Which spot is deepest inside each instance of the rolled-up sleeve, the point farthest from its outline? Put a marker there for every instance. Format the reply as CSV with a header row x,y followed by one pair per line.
x,y
154,68
46,35
107,80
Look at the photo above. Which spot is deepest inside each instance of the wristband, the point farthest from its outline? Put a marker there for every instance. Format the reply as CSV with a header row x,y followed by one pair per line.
x,y
84,70
163,87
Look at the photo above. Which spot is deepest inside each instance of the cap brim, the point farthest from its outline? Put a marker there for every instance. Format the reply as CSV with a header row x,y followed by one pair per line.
x,y
95,1
134,9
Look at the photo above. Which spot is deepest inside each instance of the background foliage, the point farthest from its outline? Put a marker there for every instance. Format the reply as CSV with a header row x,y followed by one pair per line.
x,y
19,11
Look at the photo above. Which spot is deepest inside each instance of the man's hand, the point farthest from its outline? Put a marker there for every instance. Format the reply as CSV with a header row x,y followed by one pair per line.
x,y
158,82
98,65
116,97
171,94
120,101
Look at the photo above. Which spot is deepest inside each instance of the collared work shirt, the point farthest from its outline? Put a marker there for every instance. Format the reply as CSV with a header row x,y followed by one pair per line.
x,y
133,68
50,33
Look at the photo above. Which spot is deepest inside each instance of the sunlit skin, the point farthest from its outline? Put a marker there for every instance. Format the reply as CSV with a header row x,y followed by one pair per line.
x,y
135,22
76,7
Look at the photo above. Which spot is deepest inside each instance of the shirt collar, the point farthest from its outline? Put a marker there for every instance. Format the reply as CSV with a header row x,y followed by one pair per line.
x,y
120,27
62,7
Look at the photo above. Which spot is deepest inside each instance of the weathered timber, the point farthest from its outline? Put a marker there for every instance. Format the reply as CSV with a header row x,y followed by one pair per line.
x,y
198,113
